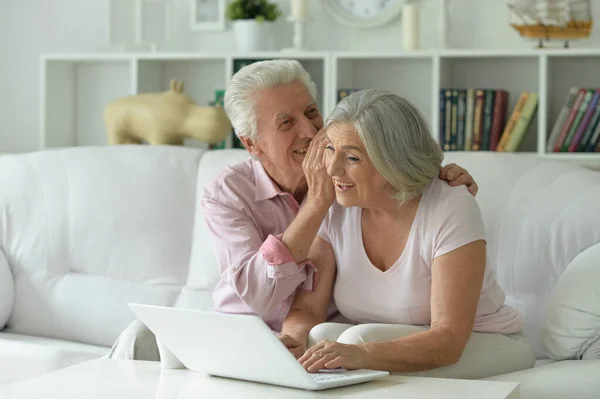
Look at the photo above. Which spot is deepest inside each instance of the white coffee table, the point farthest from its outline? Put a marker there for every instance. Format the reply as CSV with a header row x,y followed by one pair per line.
x,y
116,379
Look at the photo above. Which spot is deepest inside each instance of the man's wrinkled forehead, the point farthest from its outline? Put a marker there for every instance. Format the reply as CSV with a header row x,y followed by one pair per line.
x,y
279,114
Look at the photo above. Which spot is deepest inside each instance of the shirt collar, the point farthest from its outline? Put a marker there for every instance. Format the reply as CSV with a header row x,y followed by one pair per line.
x,y
265,186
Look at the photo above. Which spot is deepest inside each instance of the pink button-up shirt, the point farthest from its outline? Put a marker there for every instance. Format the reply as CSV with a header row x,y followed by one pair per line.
x,y
246,214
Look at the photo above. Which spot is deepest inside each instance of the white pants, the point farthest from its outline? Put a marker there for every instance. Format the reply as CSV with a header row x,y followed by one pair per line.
x,y
485,355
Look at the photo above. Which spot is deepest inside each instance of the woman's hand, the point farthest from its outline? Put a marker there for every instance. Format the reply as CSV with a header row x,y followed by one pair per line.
x,y
320,185
332,355
296,347
457,176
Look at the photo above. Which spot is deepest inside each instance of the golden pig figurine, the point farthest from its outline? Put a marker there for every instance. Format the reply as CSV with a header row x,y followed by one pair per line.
x,y
164,118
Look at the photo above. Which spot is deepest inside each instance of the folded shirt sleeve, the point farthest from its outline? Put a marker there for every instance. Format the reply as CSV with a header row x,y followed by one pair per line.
x,y
262,273
282,263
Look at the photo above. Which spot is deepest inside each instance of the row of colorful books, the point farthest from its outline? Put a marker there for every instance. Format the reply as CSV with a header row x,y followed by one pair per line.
x,y
474,119
577,128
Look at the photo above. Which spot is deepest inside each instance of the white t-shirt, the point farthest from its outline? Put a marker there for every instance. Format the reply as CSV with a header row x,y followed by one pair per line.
x,y
446,219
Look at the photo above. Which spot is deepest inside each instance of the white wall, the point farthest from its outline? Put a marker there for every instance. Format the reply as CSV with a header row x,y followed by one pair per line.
x,y
31,27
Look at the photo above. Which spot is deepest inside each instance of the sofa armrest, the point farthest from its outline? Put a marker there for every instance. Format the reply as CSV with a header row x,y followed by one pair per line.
x,y
7,290
572,326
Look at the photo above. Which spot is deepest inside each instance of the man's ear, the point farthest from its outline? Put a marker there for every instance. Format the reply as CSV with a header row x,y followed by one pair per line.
x,y
250,146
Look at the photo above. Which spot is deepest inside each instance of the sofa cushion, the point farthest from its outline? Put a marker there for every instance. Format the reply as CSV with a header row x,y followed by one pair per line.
x,y
90,229
23,356
572,323
7,293
539,215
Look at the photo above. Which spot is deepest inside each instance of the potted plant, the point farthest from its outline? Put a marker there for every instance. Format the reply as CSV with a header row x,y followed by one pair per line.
x,y
252,21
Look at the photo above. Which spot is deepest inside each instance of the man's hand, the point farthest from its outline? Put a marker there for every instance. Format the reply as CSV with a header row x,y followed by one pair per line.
x,y
293,345
457,176
320,185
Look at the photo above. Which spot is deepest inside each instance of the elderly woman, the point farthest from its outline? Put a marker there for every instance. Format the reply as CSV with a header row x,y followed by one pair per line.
x,y
404,255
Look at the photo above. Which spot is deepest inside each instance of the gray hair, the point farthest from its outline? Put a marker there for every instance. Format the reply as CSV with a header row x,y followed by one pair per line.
x,y
396,138
251,79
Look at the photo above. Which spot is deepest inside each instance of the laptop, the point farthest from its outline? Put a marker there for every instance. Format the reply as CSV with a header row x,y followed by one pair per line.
x,y
236,346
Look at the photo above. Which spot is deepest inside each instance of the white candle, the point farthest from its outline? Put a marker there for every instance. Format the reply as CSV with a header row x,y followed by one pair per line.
x,y
410,26
298,8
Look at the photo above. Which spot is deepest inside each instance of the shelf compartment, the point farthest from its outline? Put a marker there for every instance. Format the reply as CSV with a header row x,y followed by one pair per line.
x,y
409,77
562,74
201,77
513,73
74,94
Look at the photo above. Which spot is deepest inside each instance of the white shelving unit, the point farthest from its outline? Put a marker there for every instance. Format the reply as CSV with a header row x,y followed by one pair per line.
x,y
76,87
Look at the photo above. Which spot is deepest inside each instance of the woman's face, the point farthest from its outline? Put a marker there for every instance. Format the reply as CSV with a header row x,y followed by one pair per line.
x,y
357,182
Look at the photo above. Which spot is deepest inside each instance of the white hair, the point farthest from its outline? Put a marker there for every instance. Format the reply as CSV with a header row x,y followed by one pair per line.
x,y
251,79
396,138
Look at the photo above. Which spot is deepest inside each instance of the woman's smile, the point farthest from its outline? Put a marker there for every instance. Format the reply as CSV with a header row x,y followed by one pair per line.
x,y
342,186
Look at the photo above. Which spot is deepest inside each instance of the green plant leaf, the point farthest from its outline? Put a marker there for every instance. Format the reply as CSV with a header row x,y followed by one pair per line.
x,y
260,10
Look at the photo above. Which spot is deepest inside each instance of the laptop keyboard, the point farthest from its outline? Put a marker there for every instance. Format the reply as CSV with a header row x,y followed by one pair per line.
x,y
322,377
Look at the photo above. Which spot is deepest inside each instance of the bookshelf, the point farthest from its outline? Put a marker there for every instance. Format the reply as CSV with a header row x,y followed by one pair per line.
x,y
76,87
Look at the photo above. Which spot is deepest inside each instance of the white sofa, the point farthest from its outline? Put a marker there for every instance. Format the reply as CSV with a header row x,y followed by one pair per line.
x,y
84,231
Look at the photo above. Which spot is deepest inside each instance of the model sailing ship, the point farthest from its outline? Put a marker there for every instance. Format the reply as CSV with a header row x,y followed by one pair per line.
x,y
546,20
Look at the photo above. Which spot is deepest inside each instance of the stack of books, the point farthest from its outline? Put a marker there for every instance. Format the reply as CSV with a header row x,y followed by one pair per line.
x,y
577,128
474,119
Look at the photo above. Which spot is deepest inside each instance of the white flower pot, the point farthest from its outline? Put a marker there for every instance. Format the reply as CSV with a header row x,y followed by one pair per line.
x,y
251,35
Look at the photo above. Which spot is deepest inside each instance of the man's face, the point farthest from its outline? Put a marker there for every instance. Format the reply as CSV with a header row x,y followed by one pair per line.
x,y
287,120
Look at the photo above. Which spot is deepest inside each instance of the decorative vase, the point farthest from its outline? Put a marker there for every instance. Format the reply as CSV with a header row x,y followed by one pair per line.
x,y
251,35
410,26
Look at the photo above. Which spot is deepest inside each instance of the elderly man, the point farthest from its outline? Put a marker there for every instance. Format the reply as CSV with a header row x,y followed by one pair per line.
x,y
264,213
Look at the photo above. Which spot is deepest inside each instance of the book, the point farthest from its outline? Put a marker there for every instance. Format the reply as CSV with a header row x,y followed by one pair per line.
x,y
448,121
561,119
591,128
585,121
512,122
569,121
442,118
525,117
477,120
461,111
488,110
453,119
498,118
580,112
469,119
594,144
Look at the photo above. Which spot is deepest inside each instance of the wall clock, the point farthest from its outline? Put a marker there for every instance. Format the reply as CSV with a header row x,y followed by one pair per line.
x,y
364,13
